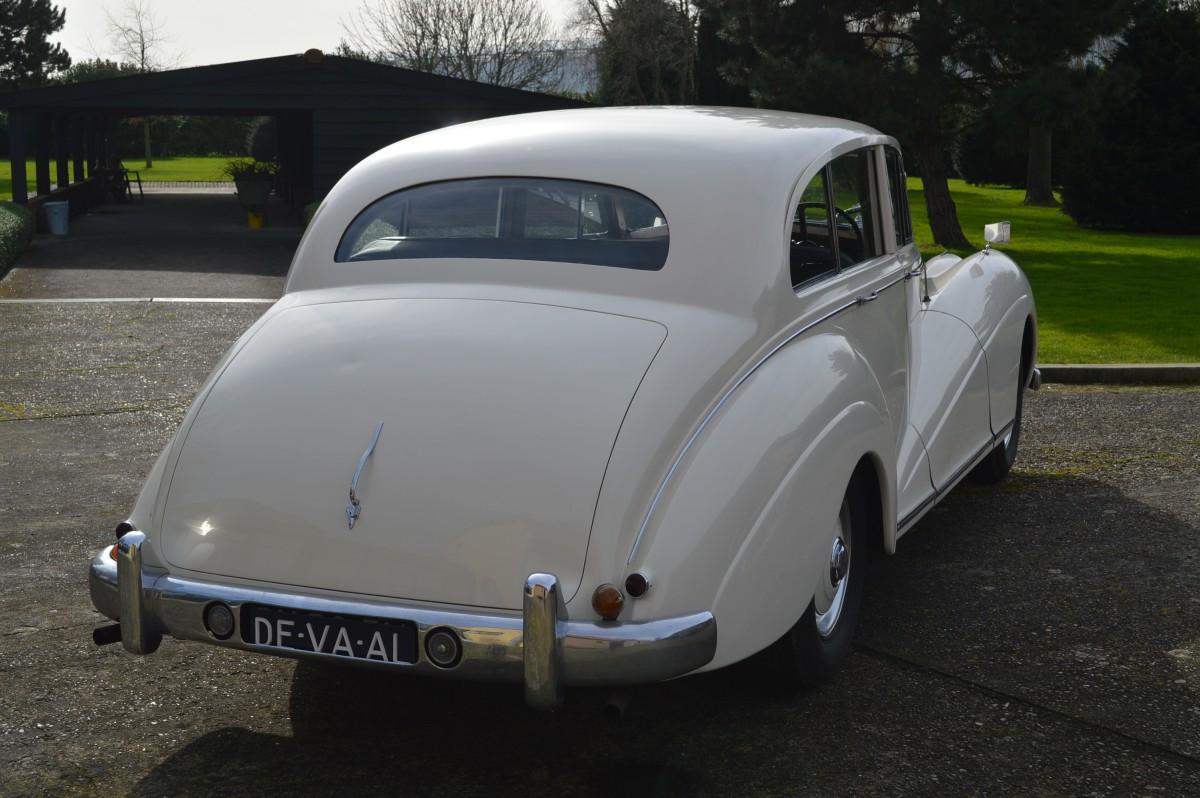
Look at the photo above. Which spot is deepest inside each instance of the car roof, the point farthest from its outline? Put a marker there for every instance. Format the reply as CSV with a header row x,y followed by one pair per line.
x,y
723,178
685,145
644,130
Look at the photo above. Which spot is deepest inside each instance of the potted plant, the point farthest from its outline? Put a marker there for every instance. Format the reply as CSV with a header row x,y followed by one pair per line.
x,y
254,180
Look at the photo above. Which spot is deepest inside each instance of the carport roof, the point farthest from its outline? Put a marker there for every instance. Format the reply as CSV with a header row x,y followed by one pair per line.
x,y
261,86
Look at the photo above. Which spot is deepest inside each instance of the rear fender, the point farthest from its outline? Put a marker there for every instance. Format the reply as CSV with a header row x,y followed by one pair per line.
x,y
745,525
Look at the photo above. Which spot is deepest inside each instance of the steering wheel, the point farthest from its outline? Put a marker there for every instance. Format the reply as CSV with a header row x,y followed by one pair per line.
x,y
837,212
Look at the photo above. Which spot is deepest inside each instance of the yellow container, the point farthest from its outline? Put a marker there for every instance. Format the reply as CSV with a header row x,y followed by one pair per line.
x,y
255,219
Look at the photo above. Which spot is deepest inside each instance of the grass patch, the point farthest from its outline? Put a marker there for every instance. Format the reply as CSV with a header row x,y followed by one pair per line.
x,y
6,178
1102,296
191,167
206,168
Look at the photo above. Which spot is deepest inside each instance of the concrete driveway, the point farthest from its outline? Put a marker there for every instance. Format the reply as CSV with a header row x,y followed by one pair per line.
x,y
166,245
1042,637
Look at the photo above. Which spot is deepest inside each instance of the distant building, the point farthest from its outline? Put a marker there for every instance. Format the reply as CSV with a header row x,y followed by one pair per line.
x,y
330,112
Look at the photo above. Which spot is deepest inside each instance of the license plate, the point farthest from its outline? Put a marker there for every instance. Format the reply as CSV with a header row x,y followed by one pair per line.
x,y
370,639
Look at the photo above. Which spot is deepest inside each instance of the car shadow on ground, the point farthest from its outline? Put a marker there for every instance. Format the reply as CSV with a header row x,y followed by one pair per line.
x,y
365,732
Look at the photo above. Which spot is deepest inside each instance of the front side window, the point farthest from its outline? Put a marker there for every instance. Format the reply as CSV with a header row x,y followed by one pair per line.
x,y
513,219
899,189
854,212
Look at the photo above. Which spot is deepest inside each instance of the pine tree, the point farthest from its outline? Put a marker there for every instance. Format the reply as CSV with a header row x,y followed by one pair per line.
x,y
920,69
27,57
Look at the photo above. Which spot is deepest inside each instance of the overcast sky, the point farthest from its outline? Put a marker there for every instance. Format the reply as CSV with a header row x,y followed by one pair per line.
x,y
216,31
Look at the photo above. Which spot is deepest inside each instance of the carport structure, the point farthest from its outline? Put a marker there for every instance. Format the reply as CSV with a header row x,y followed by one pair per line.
x,y
330,113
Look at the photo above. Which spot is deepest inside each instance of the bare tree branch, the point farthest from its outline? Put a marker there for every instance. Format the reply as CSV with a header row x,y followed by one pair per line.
x,y
137,37
505,42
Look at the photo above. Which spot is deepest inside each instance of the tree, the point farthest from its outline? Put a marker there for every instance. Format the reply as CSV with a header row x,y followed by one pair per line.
x,y
906,67
138,40
27,57
920,68
1136,164
94,69
646,52
503,42
1041,72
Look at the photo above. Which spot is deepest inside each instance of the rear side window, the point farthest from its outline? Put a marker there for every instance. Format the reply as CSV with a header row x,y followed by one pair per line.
x,y
836,223
899,189
513,219
812,250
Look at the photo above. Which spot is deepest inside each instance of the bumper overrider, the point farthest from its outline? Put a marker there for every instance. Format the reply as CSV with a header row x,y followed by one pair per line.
x,y
540,647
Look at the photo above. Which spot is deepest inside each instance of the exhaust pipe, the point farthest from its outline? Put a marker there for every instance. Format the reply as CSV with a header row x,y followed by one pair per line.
x,y
616,705
107,635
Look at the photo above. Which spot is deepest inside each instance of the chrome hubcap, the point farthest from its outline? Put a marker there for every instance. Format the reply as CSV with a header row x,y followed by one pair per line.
x,y
830,597
839,562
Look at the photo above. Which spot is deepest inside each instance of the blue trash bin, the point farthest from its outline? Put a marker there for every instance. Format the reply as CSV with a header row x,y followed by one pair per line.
x,y
57,217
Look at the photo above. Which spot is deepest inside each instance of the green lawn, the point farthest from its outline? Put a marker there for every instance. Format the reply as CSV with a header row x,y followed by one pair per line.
x,y
181,168
1102,297
169,168
6,178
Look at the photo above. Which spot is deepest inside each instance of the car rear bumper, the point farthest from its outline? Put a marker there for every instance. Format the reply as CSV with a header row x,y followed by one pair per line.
x,y
540,646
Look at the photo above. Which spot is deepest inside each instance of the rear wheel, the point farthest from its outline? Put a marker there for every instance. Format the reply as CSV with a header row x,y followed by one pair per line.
x,y
816,646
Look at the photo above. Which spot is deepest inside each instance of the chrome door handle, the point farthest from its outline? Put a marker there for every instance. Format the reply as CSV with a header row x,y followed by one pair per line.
x,y
871,297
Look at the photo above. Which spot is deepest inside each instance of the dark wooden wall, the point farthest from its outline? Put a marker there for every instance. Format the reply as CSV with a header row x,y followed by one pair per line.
x,y
332,111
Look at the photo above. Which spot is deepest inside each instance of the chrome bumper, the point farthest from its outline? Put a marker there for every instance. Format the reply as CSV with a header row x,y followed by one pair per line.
x,y
540,647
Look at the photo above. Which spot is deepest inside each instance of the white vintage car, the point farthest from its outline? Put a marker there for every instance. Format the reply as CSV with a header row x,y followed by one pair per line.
x,y
587,397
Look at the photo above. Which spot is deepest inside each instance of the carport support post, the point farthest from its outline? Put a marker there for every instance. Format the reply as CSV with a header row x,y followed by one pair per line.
x,y
62,174
41,153
92,137
16,155
77,148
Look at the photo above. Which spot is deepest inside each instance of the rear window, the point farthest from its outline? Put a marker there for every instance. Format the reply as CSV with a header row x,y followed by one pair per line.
x,y
512,219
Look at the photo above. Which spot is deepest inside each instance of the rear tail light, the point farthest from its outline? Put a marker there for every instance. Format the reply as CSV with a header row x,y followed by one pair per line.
x,y
608,601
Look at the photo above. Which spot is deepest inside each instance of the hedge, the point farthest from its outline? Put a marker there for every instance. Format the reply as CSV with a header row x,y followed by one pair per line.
x,y
16,231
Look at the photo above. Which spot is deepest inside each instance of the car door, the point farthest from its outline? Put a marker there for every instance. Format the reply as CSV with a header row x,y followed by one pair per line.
x,y
948,381
839,247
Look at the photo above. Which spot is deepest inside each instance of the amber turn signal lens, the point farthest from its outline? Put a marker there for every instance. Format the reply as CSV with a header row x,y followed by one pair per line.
x,y
607,601
113,551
